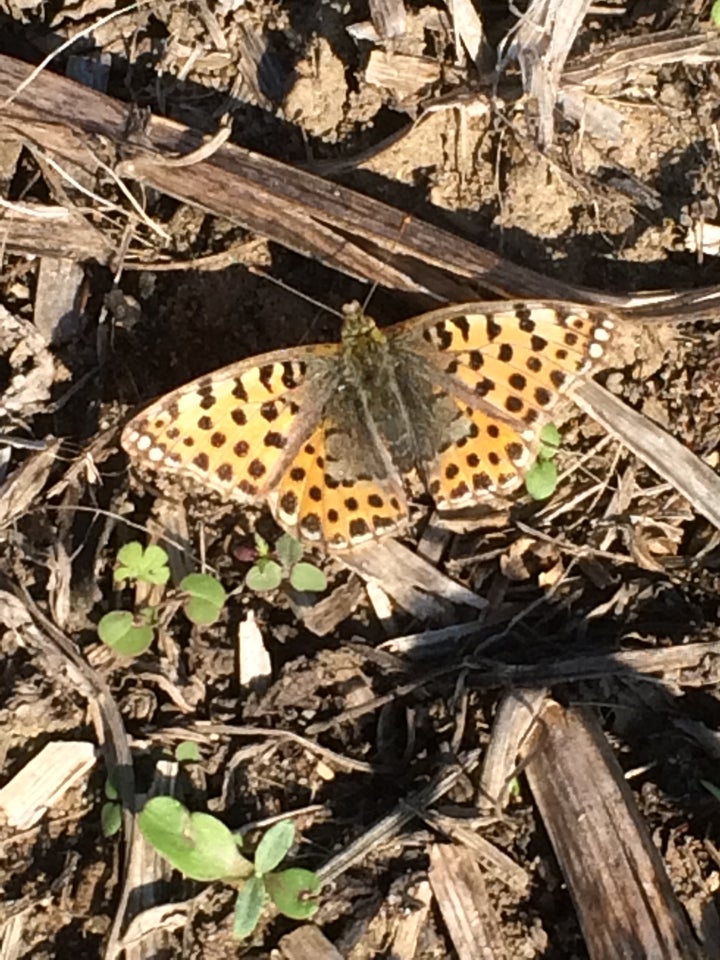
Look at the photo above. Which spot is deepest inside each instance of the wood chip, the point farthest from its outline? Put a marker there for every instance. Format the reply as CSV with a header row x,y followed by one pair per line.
x,y
410,924
307,943
44,780
389,18
254,665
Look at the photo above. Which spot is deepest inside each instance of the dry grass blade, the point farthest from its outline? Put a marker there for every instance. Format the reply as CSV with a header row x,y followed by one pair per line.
x,y
389,826
541,44
667,456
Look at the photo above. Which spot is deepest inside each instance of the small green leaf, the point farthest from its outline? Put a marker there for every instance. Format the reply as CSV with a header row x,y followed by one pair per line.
x,y
187,752
288,550
305,576
715,13
273,847
550,440
148,565
206,597
264,576
110,818
294,892
262,546
711,789
197,844
248,907
205,587
118,631
111,791
541,479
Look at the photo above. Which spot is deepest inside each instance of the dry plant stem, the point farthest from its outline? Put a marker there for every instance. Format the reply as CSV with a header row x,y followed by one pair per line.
x,y
692,665
625,903
341,228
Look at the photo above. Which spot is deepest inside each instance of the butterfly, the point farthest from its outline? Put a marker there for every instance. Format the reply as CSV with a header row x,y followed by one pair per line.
x,y
330,435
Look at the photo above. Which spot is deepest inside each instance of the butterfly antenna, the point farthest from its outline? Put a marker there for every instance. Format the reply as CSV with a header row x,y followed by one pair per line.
x,y
298,293
370,295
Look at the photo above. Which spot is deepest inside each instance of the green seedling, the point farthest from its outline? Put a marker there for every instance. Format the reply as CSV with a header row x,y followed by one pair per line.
x,y
201,847
715,13
268,572
187,752
145,564
541,478
711,789
111,810
200,595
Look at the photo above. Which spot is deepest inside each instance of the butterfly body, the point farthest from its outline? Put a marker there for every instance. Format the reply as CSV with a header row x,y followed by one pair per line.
x,y
328,434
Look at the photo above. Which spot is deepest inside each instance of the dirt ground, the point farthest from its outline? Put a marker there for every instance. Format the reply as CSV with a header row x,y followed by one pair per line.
x,y
616,560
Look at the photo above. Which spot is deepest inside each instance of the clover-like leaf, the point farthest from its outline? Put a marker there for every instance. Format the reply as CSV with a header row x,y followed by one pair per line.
x,y
306,576
294,892
148,564
541,479
119,631
265,575
206,597
248,907
197,844
274,845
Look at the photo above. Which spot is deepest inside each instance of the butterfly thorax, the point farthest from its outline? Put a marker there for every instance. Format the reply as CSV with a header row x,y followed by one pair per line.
x,y
381,400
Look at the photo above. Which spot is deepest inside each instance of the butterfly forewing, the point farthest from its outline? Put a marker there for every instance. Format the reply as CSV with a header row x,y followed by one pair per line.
x,y
231,430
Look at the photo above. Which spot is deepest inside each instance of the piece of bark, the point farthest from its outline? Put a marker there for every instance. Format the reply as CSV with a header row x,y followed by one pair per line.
x,y
624,900
51,230
459,887
57,311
